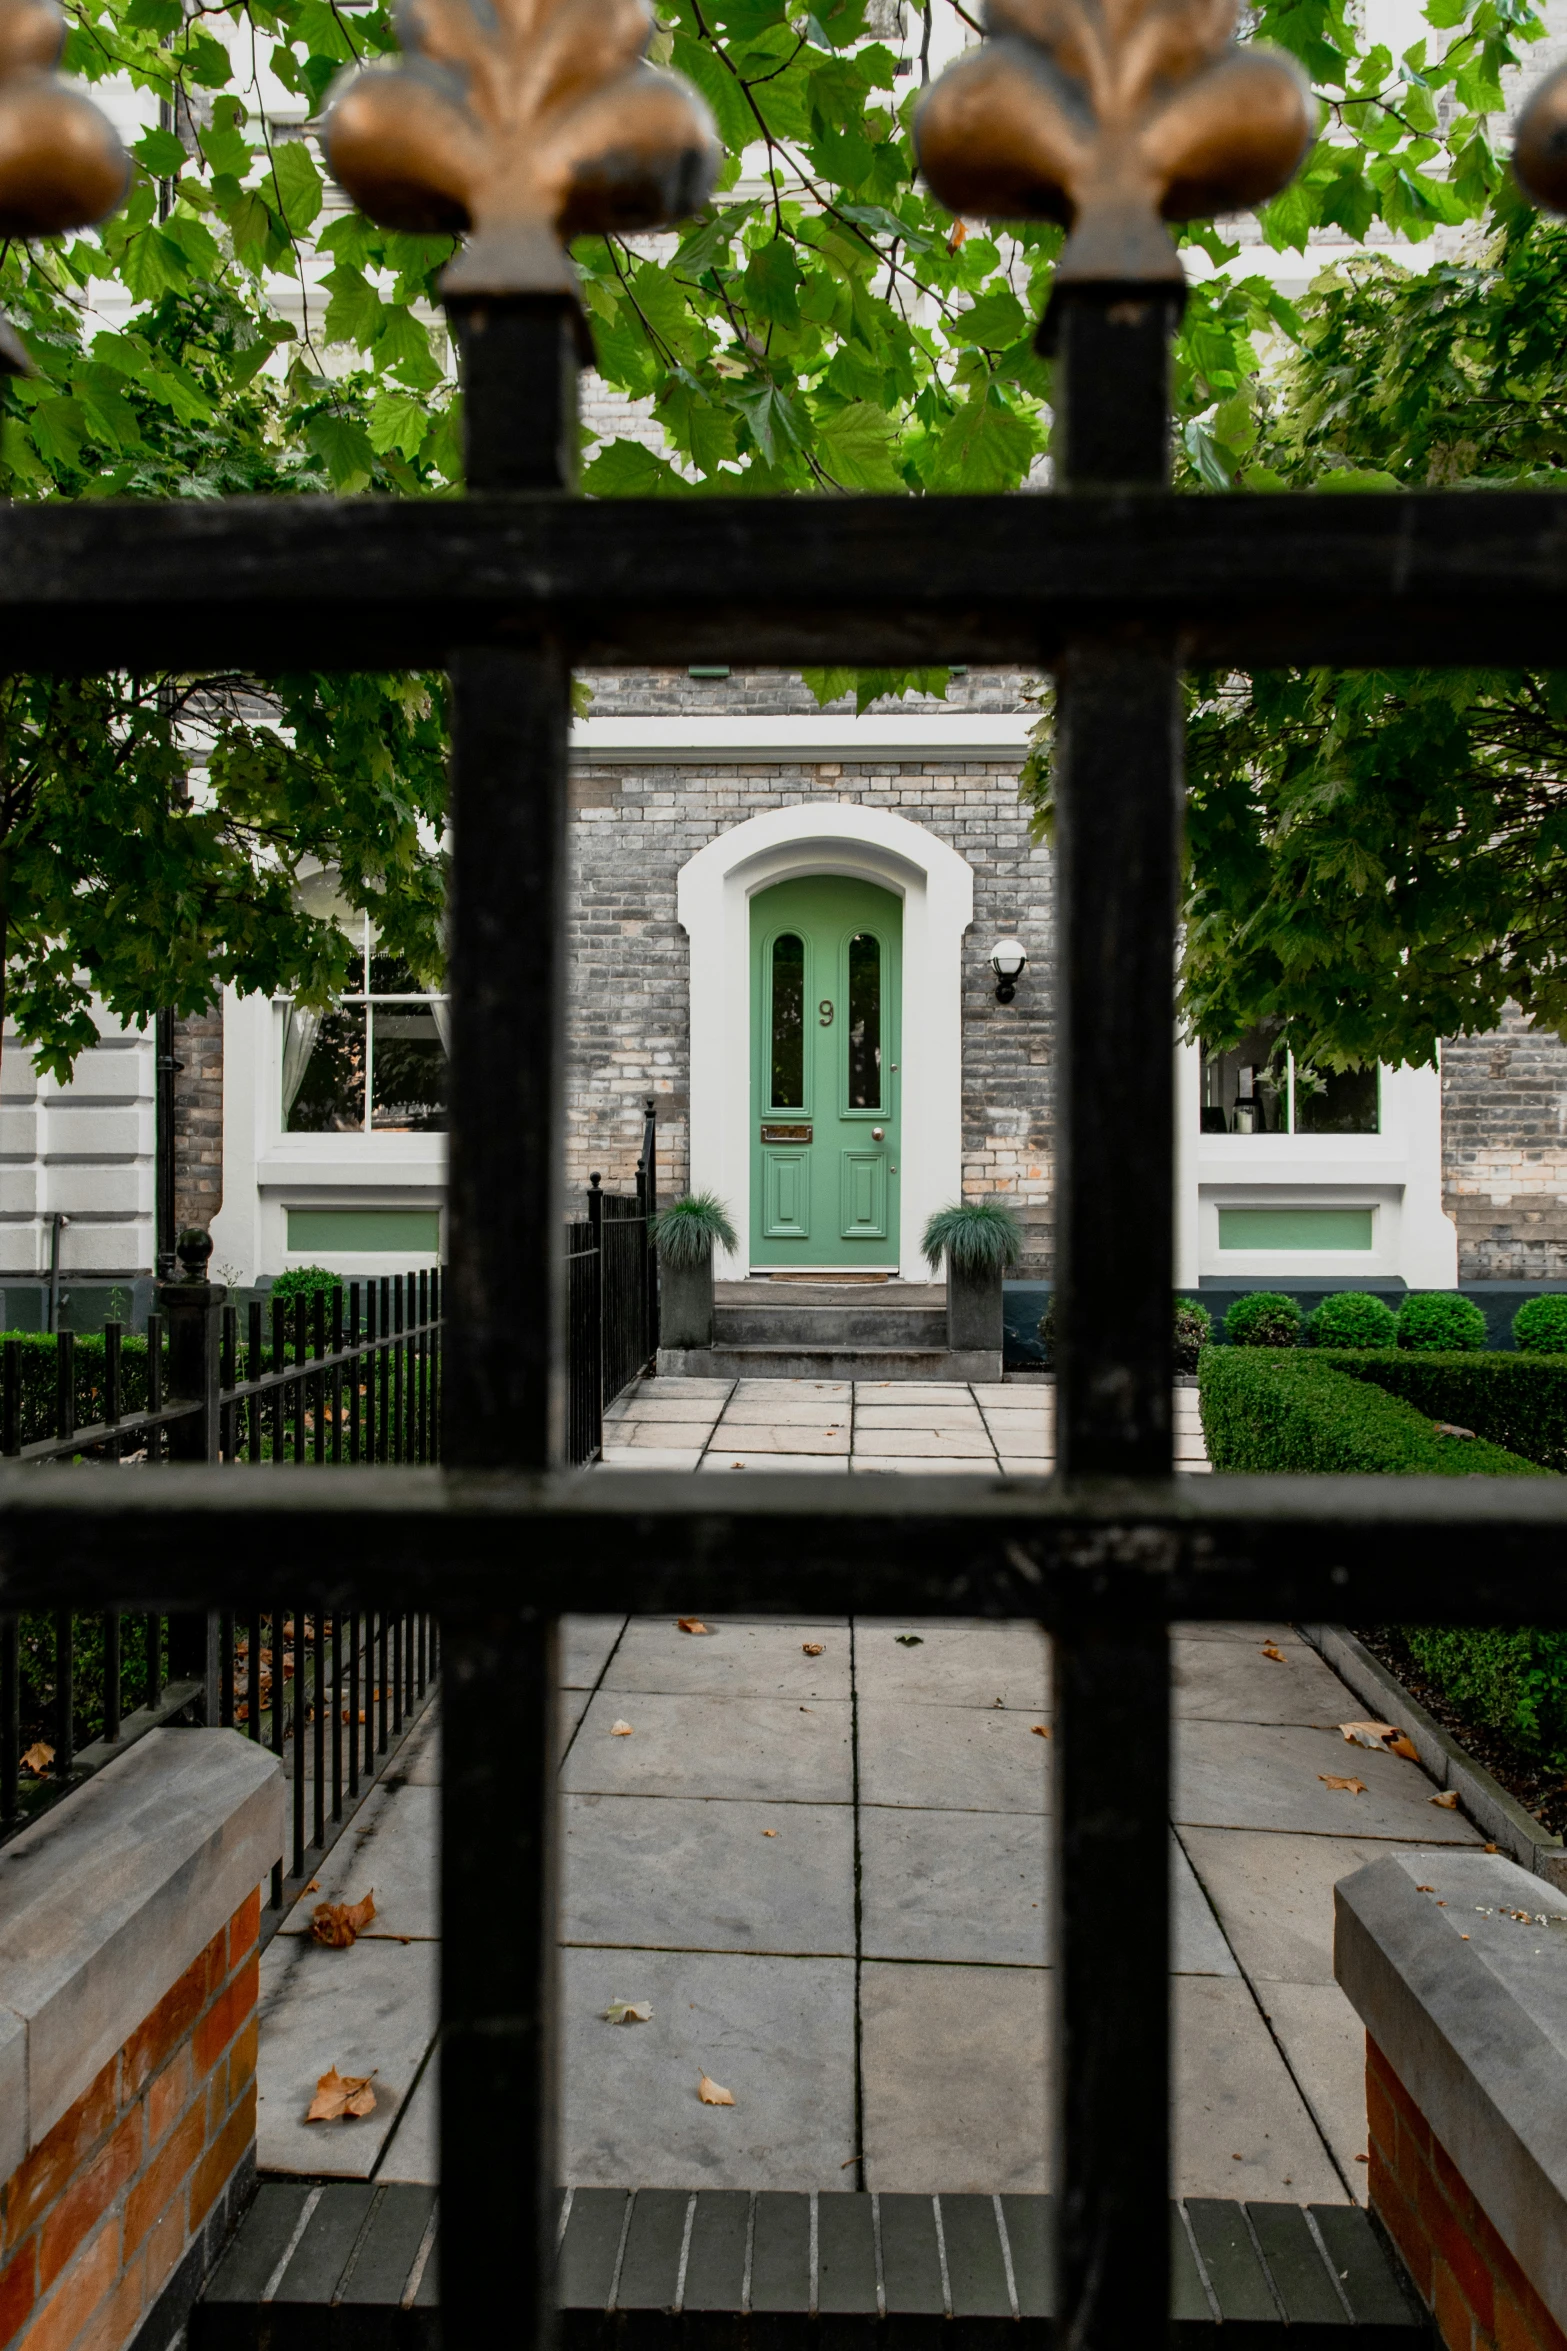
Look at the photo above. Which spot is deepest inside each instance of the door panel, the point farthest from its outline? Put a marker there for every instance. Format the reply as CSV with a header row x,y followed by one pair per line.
x,y
786,1191
826,971
863,1196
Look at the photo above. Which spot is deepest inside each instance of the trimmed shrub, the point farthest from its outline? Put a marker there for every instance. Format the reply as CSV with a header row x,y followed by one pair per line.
x,y
38,1357
1540,1325
1353,1318
306,1281
1265,1411
686,1233
1519,1401
1440,1319
1264,1318
1193,1332
1513,1680
975,1236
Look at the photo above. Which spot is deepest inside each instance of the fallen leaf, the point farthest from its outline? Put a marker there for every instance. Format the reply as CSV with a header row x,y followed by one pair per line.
x,y
1041,1730
909,1640
711,2095
337,1924
1369,1734
1490,1848
814,1649
339,2095
1277,1655
1450,1428
37,1759
690,1624
314,1886
1331,1779
1404,1745
1426,1889
620,1730
1448,1799
1362,2159
629,2012
769,1832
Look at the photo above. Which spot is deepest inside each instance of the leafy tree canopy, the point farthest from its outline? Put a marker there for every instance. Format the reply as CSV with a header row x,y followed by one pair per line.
x,y
822,326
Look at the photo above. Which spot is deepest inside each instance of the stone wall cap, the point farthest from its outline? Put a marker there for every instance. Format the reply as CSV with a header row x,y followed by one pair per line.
x,y
1456,1962
107,1899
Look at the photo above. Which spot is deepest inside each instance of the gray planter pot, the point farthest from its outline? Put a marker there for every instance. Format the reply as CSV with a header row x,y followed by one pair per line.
x,y
973,1309
685,1305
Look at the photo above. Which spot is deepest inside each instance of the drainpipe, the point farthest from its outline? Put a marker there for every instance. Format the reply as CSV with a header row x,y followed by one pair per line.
x,y
57,1224
167,1259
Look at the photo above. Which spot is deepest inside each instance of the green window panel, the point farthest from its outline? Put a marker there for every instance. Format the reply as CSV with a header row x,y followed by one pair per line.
x,y
399,1232
1295,1228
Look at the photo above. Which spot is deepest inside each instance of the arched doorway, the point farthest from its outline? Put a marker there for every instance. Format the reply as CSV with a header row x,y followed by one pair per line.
x,y
826,1085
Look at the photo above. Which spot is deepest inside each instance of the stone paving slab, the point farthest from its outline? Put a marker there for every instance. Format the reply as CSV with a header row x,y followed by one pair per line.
x,y
587,1643
648,1457
723,1457
927,1443
1273,1894
1227,1681
916,1465
777,2033
678,1873
388,1849
1324,2042
754,1660
951,1758
368,2010
758,1436
956,2078
1242,2127
1267,1776
1006,1665
711,1746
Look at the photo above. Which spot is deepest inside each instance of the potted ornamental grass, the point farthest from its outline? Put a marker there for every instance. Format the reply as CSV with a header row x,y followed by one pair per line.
x,y
981,1240
685,1235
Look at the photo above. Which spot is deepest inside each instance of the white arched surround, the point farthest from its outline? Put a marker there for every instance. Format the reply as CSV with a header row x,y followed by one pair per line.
x,y
715,890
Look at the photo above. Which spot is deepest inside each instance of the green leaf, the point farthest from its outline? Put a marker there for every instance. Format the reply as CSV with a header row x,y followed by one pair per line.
x,y
772,276
856,448
153,265
344,448
995,320
628,469
985,446
355,312
696,424
295,184
160,153
400,421
1350,478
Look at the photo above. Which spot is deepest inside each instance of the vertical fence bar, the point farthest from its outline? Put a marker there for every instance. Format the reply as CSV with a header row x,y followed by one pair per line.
x,y
1117,784
279,1358
399,1623
152,1635
112,1692
337,1715
297,1649
10,1719
386,1432
400,1440
253,1676
355,1372
593,1434
226,1669
301,1384
155,1444
65,1384
254,1352
383,1695
64,1688
113,1378
510,710
318,1383
228,1376
337,1375
354,1623
318,1724
11,1396
279,1694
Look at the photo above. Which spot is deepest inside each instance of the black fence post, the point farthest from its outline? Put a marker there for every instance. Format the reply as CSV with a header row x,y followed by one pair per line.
x,y
1118,787
647,1193
598,1397
511,704
193,1307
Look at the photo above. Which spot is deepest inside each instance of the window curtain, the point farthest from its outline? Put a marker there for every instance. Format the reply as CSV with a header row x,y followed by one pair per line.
x,y
300,1031
442,1009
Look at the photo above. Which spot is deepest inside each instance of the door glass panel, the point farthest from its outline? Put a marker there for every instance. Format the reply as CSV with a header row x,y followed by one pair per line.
x,y
788,1022
1246,1092
864,1022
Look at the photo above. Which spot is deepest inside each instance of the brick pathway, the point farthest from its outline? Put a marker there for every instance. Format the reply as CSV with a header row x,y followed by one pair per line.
x,y
821,1855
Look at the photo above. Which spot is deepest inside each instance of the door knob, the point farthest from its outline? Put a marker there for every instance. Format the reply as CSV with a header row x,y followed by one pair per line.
x,y
878,1134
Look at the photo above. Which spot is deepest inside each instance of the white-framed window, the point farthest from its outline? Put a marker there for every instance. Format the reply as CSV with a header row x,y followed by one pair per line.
x,y
1258,1088
376,1063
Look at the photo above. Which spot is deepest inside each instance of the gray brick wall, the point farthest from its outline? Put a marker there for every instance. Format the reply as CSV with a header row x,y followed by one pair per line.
x,y
1504,1152
632,831
643,693
198,1118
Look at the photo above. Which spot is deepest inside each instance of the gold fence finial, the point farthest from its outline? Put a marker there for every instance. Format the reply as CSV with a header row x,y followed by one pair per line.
x,y
61,162
1113,117
525,123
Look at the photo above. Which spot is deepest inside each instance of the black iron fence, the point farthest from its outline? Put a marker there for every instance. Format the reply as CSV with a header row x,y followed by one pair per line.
x,y
611,1298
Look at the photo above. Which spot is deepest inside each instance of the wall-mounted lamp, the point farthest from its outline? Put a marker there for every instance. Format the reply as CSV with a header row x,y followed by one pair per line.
x,y
1009,961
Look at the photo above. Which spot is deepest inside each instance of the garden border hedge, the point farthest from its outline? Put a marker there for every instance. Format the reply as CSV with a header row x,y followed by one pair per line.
x,y
1272,1410
1516,1401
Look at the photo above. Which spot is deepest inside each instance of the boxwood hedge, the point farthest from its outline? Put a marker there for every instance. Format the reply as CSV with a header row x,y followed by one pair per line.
x,y
1268,1410
1516,1401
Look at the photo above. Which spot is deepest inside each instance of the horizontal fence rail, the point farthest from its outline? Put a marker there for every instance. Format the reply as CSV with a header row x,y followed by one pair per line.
x,y
1423,576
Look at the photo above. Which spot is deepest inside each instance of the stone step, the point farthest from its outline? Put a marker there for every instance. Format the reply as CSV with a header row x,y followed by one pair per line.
x,y
341,2267
872,1297
794,1361
859,1324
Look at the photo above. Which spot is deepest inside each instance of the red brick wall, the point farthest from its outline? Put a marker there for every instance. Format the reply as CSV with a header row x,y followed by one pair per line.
x,y
1481,2299
97,2218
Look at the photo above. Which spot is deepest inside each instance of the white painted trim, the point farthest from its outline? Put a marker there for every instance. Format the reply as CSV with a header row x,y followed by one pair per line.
x,y
998,737
714,892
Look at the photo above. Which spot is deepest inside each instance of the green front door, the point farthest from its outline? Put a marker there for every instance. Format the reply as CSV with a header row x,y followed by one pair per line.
x,y
826,962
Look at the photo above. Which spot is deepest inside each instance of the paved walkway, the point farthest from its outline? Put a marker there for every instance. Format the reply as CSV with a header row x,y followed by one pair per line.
x,y
827,1874
898,1425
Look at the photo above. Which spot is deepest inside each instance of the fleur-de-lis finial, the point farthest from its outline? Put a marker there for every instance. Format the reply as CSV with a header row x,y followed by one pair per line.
x,y
61,162
526,123
1540,143
1113,117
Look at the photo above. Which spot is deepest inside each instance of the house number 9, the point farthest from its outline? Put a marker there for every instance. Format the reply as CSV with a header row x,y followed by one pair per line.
x,y
824,1013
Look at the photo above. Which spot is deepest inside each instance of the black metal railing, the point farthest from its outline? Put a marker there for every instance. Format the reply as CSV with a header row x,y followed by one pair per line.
x,y
611,1300
356,1380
